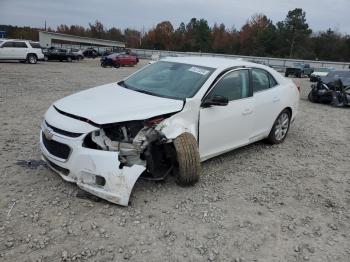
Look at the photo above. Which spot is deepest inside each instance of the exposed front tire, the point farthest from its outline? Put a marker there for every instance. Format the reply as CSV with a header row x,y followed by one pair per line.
x,y
280,128
116,65
32,59
188,168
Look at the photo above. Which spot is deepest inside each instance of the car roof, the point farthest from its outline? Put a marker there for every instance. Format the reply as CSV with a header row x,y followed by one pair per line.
x,y
213,62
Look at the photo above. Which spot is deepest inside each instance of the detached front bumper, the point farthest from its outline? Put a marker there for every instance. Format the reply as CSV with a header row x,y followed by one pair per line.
x,y
94,171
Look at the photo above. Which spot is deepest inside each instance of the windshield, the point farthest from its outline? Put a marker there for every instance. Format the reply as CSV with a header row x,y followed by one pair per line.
x,y
169,79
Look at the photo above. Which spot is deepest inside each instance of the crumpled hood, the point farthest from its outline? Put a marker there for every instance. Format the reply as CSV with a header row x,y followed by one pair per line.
x,y
112,103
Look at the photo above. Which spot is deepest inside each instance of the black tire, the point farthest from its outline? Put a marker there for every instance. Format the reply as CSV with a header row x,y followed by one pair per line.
x,y
103,65
188,168
274,136
116,65
312,98
46,58
298,75
32,59
286,74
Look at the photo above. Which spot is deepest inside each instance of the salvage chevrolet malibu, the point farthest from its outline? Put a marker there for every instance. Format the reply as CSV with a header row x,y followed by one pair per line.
x,y
164,119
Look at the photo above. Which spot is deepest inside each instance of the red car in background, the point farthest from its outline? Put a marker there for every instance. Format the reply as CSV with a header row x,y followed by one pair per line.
x,y
119,59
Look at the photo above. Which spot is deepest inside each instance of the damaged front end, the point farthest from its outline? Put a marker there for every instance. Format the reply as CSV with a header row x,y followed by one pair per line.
x,y
107,161
141,149
334,93
137,143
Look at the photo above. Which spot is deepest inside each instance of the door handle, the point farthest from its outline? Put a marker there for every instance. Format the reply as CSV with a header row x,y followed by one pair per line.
x,y
275,99
247,112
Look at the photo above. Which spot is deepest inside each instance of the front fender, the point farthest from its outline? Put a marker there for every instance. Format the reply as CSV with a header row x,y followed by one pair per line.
x,y
185,121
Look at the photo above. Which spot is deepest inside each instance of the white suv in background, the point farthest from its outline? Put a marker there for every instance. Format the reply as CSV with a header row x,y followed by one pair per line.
x,y
22,50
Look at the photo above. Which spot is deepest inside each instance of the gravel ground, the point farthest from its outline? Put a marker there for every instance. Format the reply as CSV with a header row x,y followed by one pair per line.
x,y
288,202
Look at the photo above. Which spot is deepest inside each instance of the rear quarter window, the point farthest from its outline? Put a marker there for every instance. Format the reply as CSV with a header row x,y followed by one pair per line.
x,y
35,45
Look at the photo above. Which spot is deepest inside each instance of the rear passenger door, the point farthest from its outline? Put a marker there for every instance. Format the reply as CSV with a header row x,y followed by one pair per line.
x,y
20,50
267,98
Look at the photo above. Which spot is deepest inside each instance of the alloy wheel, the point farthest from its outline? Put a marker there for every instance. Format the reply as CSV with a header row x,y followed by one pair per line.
x,y
282,126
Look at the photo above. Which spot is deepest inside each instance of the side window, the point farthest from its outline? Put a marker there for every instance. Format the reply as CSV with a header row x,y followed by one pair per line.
x,y
20,44
233,86
273,81
260,79
8,44
35,45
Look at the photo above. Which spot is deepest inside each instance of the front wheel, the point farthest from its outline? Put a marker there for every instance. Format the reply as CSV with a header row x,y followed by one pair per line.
x,y
32,59
280,128
116,65
187,168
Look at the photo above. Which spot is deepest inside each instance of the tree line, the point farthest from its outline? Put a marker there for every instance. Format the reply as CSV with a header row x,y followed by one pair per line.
x,y
259,36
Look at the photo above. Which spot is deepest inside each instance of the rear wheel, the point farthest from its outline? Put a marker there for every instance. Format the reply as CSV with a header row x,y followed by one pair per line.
x,y
32,59
280,128
188,167
116,65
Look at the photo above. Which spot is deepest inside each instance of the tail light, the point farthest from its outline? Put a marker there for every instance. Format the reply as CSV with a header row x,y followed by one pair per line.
x,y
298,85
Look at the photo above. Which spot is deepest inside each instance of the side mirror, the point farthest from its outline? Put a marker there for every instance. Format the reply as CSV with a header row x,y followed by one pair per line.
x,y
215,101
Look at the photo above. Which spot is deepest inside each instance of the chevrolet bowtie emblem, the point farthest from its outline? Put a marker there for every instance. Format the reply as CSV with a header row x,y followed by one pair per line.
x,y
48,134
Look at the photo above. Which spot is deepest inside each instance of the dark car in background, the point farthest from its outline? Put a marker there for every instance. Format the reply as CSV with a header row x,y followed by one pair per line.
x,y
298,70
332,89
90,53
119,59
58,54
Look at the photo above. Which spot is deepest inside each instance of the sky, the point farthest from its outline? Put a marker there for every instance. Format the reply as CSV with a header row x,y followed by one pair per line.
x,y
143,15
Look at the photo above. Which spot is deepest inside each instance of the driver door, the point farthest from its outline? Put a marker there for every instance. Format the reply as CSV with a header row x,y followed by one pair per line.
x,y
223,128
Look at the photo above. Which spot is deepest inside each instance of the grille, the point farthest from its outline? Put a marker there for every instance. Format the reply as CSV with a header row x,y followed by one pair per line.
x,y
63,132
62,170
56,148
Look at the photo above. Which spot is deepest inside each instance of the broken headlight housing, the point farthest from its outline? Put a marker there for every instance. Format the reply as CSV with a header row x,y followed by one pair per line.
x,y
130,139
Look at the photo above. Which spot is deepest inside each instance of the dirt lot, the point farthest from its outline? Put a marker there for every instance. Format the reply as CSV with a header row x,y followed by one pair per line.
x,y
288,202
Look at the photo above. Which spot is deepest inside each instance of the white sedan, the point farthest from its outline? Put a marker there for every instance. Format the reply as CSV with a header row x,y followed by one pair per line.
x,y
164,120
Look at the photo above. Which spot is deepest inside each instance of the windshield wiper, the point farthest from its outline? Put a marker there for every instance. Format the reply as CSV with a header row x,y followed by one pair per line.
x,y
122,83
145,92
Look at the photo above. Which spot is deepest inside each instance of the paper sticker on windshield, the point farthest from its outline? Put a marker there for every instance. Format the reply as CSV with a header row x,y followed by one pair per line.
x,y
198,70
